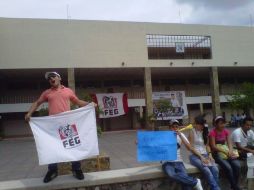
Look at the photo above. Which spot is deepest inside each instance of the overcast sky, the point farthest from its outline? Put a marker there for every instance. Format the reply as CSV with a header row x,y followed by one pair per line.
x,y
218,12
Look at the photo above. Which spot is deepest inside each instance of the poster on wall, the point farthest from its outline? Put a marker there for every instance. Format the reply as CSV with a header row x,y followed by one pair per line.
x,y
179,47
111,104
176,99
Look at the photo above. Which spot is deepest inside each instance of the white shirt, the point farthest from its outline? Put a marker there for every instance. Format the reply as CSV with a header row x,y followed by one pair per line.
x,y
198,142
179,141
240,137
175,103
178,153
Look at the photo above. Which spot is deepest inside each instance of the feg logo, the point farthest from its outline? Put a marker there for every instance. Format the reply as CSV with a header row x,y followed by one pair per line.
x,y
110,105
69,136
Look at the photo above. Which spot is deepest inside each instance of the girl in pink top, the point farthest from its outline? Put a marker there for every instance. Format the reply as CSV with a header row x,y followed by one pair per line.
x,y
231,166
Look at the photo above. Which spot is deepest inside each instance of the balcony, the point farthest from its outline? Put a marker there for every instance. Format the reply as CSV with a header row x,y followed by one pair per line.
x,y
13,97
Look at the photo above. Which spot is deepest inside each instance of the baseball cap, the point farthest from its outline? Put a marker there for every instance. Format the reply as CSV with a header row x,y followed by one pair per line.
x,y
50,74
174,122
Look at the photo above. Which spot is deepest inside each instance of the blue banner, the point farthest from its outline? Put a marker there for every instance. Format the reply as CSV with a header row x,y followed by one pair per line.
x,y
156,146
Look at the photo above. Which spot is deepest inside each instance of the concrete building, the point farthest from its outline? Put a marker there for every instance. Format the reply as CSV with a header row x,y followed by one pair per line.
x,y
207,62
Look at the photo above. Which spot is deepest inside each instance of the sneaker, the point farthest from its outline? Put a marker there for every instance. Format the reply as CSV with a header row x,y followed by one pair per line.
x,y
198,186
51,174
78,174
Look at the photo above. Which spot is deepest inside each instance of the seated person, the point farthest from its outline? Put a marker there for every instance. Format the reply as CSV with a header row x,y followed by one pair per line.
x,y
202,157
223,154
243,138
175,169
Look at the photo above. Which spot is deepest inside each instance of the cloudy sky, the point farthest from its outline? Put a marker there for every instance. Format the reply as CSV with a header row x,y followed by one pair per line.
x,y
218,12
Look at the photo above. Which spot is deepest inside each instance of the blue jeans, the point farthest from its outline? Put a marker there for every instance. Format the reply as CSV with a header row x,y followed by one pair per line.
x,y
211,173
177,172
75,166
232,170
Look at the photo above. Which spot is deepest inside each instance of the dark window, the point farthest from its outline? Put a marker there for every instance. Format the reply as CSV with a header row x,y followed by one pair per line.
x,y
92,84
173,81
178,47
193,107
138,83
119,83
207,106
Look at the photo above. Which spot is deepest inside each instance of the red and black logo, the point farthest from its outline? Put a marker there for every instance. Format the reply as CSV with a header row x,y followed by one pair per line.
x,y
110,105
69,136
109,102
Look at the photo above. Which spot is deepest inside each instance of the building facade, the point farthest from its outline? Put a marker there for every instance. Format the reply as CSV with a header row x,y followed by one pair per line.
x,y
207,62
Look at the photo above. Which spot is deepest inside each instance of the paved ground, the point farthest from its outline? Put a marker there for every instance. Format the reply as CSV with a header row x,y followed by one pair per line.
x,y
18,157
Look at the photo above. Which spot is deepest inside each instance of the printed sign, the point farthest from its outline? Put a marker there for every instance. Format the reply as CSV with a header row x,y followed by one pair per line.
x,y
64,137
179,47
156,146
69,136
176,99
112,104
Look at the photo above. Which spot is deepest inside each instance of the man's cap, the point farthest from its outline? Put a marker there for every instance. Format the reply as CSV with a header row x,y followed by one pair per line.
x,y
172,122
49,74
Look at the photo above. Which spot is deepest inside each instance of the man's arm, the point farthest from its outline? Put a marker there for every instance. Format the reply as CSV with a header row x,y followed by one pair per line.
x,y
80,103
241,148
32,109
237,141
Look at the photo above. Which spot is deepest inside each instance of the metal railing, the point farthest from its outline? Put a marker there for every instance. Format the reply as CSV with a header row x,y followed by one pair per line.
x,y
133,93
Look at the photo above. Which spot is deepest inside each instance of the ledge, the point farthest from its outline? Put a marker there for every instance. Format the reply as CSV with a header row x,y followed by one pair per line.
x,y
92,179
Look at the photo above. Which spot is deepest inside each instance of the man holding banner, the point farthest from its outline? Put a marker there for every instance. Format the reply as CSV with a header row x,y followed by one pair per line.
x,y
58,98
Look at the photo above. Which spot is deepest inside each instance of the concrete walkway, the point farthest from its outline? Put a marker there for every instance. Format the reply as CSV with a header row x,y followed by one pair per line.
x,y
19,157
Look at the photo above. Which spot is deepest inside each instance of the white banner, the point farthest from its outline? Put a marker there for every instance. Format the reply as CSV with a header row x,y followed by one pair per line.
x,y
112,104
64,137
177,100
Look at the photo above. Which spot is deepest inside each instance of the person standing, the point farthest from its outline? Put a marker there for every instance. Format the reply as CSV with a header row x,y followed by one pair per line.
x,y
233,121
243,138
238,120
59,98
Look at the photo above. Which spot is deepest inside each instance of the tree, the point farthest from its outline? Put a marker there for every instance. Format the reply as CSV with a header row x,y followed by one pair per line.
x,y
162,106
243,98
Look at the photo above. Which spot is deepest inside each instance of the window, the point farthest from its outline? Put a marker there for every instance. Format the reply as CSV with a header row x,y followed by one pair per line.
x,y
178,47
119,83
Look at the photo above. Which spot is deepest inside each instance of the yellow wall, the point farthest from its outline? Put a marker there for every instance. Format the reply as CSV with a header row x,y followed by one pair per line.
x,y
38,43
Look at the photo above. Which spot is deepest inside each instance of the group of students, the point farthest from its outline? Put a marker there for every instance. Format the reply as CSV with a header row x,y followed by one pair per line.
x,y
210,147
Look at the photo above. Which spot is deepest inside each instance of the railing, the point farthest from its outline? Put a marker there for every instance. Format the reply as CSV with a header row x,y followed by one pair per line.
x,y
133,93
12,99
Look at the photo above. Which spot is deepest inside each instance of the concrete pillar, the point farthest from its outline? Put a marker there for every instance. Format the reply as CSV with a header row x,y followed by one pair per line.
x,y
71,78
148,93
141,112
215,93
201,106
